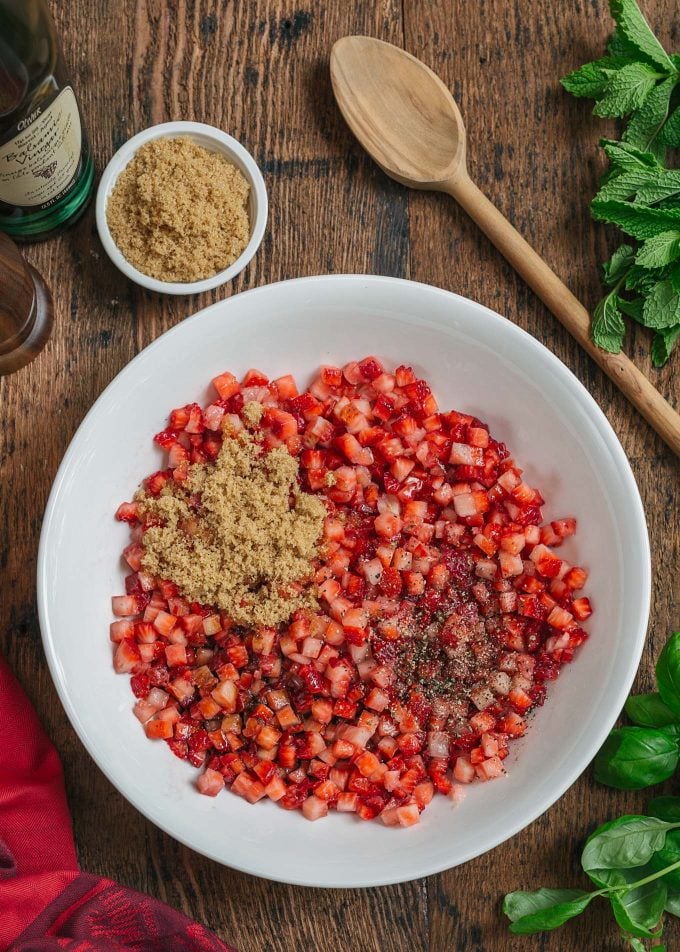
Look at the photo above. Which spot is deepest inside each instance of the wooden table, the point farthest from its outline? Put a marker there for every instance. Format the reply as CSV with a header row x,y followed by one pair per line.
x,y
259,69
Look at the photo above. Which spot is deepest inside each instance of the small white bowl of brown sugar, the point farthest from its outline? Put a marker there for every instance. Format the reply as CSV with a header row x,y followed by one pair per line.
x,y
181,208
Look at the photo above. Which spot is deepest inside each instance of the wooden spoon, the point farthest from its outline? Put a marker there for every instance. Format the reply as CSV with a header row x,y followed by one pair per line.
x,y
407,120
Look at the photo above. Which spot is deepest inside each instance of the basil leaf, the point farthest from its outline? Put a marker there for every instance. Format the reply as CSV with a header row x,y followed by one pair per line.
x,y
665,808
673,902
667,856
544,909
625,876
638,910
668,670
628,841
635,757
648,710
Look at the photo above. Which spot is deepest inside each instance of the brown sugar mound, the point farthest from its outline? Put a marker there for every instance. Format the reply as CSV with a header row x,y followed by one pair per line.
x,y
239,534
179,212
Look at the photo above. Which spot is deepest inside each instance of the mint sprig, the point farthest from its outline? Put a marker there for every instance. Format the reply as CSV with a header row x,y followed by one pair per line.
x,y
638,81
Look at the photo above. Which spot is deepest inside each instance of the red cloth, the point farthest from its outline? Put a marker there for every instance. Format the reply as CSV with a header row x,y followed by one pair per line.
x,y
46,903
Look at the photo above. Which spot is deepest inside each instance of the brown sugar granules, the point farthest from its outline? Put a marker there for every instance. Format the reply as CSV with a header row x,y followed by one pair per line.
x,y
238,534
179,212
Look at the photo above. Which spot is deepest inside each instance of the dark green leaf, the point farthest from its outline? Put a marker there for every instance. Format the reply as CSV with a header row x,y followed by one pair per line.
x,y
668,856
642,279
640,221
632,308
646,123
665,808
660,250
544,909
627,90
670,134
591,79
673,902
619,46
638,910
648,710
618,264
663,343
630,840
635,757
608,329
634,28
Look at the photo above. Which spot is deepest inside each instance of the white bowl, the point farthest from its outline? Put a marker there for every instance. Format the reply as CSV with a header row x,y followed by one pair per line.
x,y
215,141
477,362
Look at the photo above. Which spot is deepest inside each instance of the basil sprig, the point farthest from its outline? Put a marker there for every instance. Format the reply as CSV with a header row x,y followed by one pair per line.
x,y
641,756
634,861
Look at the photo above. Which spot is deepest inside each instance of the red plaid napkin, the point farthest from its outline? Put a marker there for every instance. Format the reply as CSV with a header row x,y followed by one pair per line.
x,y
46,903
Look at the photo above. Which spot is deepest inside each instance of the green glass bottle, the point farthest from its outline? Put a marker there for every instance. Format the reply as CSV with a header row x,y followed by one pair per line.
x,y
46,169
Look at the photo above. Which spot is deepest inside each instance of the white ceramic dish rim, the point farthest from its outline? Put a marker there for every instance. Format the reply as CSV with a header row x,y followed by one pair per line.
x,y
639,624
226,143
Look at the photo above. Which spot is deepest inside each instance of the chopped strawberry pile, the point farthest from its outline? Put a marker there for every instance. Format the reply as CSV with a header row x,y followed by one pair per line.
x,y
444,608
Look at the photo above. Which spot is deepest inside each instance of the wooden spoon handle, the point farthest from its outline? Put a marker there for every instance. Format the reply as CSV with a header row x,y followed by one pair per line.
x,y
567,309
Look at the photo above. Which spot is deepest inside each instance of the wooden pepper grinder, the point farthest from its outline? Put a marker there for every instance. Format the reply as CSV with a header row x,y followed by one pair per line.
x,y
25,309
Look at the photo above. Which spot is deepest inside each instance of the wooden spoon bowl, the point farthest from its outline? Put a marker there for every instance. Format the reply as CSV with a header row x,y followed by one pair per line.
x,y
408,121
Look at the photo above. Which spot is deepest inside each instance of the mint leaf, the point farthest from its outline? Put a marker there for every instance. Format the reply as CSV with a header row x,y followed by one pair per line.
x,y
664,185
619,187
634,28
646,123
627,90
608,329
640,221
663,344
670,134
618,264
627,157
661,310
659,250
642,279
632,308
592,79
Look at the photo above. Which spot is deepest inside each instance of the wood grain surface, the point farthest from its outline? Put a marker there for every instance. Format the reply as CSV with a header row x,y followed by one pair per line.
x,y
259,70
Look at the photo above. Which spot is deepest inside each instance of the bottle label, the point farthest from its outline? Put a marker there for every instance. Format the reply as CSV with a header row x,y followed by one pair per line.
x,y
39,164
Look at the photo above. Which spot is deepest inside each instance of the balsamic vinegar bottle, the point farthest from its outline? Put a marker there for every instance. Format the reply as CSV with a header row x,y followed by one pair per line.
x,y
46,169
